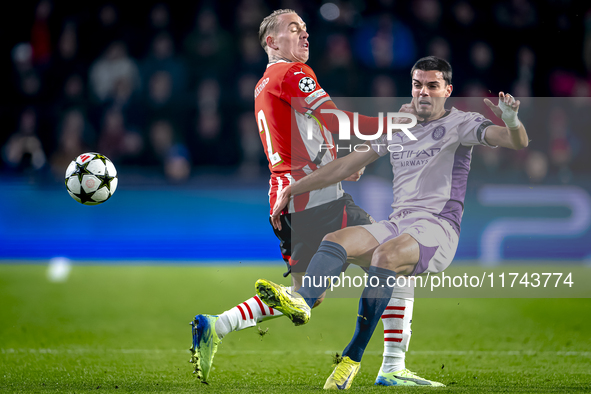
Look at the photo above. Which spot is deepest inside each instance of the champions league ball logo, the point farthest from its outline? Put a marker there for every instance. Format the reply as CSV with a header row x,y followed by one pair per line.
x,y
307,85
438,133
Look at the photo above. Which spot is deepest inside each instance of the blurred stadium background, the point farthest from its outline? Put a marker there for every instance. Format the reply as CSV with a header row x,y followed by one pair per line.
x,y
165,90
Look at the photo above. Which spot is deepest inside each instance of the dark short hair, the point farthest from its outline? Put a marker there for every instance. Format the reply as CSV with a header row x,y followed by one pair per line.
x,y
431,63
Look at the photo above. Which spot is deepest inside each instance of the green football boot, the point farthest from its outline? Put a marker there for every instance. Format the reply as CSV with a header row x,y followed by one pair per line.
x,y
205,345
291,304
403,378
343,374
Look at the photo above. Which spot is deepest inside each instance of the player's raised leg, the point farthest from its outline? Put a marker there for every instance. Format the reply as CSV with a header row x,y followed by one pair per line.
x,y
244,315
204,346
327,262
209,330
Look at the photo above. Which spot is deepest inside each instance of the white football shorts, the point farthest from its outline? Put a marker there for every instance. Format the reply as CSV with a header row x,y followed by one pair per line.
x,y
437,239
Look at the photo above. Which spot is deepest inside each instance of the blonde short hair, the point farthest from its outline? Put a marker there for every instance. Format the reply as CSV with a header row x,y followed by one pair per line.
x,y
269,24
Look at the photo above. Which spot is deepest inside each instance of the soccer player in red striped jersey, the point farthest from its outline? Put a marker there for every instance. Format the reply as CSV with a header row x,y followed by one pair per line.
x,y
288,104
288,109
421,235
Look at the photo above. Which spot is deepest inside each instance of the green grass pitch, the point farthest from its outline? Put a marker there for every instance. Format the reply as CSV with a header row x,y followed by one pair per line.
x,y
126,328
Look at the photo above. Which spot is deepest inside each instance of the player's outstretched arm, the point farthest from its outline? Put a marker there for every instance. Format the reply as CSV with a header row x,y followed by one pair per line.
x,y
514,135
335,171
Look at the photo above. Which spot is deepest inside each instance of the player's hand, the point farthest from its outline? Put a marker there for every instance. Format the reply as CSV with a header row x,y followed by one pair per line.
x,y
506,110
281,202
409,109
356,176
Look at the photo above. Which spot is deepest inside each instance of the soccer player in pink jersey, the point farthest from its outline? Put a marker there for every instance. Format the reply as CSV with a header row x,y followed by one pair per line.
x,y
289,101
422,233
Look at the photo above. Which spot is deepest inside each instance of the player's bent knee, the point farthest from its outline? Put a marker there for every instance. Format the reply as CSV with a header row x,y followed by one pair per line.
x,y
393,259
383,259
331,237
344,237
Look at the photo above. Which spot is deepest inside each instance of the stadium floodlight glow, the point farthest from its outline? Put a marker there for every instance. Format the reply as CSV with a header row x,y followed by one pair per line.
x,y
330,11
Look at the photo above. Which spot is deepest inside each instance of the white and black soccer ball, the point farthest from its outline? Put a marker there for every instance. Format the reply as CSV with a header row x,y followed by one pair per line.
x,y
91,179
307,84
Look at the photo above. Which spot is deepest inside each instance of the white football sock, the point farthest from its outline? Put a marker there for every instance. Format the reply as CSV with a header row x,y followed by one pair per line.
x,y
244,315
397,319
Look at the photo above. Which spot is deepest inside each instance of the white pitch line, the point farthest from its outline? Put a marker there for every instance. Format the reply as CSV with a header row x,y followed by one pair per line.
x,y
485,353
498,353
507,353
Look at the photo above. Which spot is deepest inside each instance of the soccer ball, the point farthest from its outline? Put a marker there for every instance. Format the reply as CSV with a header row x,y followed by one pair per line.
x,y
91,179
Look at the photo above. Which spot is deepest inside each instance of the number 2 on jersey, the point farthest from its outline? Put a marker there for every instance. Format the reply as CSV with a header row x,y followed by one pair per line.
x,y
274,158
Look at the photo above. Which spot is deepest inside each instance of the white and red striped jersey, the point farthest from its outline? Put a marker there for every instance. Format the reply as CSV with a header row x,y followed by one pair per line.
x,y
286,98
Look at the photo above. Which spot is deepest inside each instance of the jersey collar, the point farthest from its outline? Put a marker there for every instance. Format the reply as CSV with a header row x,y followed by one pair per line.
x,y
447,112
277,62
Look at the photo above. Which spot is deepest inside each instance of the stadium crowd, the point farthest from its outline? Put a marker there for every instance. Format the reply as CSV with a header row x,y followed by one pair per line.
x,y
169,86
